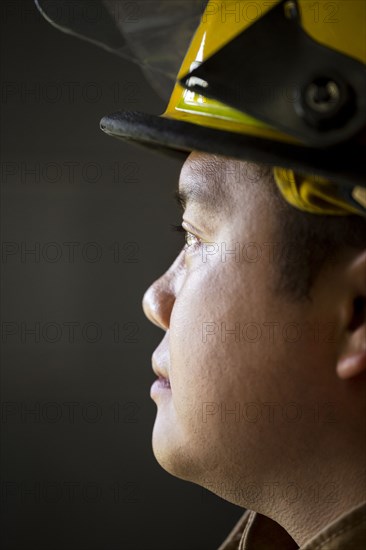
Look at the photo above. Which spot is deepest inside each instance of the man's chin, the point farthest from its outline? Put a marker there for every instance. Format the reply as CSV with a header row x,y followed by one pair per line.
x,y
171,454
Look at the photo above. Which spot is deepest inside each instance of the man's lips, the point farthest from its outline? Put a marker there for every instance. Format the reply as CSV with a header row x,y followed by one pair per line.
x,y
160,362
162,382
160,371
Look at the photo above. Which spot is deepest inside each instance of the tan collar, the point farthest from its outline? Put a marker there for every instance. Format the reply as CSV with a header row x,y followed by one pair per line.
x,y
254,531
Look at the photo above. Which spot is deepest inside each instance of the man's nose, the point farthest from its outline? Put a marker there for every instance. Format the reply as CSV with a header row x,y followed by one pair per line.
x,y
158,300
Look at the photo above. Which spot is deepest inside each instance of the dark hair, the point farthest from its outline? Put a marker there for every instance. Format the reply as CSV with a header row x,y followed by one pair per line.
x,y
309,242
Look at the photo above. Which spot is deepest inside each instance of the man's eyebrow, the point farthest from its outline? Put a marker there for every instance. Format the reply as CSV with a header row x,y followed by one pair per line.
x,y
180,198
211,199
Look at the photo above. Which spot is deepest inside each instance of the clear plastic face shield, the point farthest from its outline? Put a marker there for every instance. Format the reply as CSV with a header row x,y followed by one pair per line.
x,y
223,74
154,34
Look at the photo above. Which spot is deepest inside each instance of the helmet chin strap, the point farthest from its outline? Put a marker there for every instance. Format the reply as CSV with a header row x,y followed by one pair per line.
x,y
318,195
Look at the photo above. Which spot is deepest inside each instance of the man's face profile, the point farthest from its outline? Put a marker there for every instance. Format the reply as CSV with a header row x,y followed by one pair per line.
x,y
256,400
259,367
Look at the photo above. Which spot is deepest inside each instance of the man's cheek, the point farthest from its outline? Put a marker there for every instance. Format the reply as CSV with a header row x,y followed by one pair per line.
x,y
187,322
191,370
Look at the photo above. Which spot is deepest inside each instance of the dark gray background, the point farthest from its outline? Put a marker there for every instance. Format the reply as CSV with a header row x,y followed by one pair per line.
x,y
77,467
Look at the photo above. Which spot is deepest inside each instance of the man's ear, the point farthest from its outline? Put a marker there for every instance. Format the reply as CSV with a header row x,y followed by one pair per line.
x,y
353,359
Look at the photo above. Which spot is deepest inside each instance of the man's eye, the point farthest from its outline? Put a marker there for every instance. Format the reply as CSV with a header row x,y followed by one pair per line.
x,y
189,238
